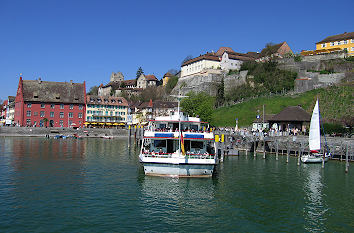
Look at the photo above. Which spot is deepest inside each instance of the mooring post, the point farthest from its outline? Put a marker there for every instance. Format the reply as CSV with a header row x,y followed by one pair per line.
x,y
287,153
129,135
254,147
246,152
346,161
341,151
298,157
264,152
277,150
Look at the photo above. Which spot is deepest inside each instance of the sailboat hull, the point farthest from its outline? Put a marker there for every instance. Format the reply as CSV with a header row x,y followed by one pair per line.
x,y
314,158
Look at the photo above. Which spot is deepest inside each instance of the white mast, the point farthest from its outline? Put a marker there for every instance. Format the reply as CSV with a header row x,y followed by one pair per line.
x,y
179,97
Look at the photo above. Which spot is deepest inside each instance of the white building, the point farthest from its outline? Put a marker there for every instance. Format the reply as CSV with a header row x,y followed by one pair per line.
x,y
224,59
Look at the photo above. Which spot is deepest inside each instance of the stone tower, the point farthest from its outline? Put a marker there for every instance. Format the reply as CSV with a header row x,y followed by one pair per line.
x,y
116,77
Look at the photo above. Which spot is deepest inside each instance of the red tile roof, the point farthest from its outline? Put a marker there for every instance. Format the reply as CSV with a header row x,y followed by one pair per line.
x,y
339,37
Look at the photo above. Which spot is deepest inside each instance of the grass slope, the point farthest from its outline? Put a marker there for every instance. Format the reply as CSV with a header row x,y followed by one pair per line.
x,y
336,104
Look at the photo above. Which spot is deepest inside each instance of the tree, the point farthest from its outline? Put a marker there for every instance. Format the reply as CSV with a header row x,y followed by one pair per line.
x,y
93,90
200,104
172,82
189,57
173,71
139,72
220,95
45,121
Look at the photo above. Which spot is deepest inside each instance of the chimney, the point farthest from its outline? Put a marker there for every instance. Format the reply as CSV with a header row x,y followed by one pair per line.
x,y
39,80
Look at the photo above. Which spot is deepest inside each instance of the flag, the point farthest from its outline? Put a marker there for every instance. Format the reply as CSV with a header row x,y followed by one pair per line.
x,y
182,144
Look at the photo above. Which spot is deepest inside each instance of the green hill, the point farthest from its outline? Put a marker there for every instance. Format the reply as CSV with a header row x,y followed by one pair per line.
x,y
336,105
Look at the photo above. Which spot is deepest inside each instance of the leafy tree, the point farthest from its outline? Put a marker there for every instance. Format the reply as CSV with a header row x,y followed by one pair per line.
x,y
220,97
139,72
172,82
93,90
200,104
189,57
172,71
45,121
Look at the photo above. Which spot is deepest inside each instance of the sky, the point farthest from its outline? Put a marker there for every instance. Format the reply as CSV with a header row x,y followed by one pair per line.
x,y
63,40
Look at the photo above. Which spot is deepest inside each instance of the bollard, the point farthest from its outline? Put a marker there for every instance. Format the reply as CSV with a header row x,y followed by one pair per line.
x,y
346,161
287,154
264,152
254,148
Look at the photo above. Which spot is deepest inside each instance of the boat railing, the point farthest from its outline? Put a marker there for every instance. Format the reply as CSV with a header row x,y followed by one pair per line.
x,y
176,130
169,155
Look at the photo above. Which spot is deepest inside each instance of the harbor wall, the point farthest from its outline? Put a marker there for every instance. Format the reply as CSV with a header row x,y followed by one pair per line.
x,y
51,131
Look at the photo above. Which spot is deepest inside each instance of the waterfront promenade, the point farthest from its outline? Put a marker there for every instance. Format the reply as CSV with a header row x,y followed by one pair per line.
x,y
52,131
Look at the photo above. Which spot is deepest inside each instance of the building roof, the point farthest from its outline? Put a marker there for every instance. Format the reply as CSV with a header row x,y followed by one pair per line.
x,y
270,49
240,56
292,113
168,74
55,92
222,50
109,100
150,77
267,117
207,56
165,104
339,37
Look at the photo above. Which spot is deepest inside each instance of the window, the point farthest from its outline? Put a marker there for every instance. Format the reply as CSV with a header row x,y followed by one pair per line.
x,y
61,123
28,122
80,115
70,115
61,115
81,107
29,105
28,113
71,106
70,122
51,114
62,106
42,105
41,114
332,43
339,43
345,42
323,45
52,106
352,41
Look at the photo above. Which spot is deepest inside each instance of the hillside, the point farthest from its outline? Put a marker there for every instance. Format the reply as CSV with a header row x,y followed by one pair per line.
x,y
336,105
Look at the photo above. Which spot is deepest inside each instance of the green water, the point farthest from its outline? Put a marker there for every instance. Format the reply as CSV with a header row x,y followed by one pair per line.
x,y
98,185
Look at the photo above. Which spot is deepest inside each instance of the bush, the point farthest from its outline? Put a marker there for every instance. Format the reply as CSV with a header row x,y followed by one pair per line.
x,y
330,128
351,58
297,58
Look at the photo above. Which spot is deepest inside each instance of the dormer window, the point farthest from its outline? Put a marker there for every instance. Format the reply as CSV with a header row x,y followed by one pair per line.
x,y
35,94
57,96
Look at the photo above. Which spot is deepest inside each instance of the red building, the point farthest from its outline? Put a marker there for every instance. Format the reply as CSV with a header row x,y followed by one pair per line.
x,y
54,104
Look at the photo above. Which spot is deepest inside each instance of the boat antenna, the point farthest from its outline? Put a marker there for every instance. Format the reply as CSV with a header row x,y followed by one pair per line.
x,y
179,97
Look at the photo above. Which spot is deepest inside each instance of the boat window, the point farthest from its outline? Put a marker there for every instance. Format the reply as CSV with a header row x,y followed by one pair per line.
x,y
197,145
194,127
159,143
162,126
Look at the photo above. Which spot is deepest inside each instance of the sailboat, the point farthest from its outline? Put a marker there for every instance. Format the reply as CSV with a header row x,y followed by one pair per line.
x,y
315,156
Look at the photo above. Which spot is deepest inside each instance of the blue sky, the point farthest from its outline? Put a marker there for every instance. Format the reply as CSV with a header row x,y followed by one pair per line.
x,y
87,40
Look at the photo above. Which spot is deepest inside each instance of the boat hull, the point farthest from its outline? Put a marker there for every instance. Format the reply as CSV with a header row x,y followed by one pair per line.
x,y
178,170
314,158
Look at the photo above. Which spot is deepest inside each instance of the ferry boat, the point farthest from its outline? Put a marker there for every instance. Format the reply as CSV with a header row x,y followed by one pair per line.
x,y
178,146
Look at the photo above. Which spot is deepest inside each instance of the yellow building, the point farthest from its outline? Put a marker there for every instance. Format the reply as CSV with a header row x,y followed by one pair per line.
x,y
339,42
165,78
108,111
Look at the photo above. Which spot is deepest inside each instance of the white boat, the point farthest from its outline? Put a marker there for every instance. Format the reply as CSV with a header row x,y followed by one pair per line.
x,y
315,156
178,146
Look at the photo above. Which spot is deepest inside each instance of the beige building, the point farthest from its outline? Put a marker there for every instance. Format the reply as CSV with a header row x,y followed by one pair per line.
x,y
106,111
145,81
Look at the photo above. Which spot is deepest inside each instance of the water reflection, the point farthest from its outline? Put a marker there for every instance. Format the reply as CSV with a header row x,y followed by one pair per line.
x,y
176,201
315,207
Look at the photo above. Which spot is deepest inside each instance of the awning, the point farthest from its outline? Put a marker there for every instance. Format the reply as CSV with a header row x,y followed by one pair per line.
x,y
93,123
115,124
86,123
108,123
101,123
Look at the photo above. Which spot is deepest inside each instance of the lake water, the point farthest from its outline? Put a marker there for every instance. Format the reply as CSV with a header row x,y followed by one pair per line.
x,y
98,185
